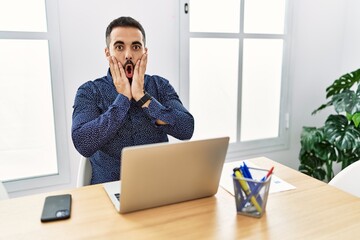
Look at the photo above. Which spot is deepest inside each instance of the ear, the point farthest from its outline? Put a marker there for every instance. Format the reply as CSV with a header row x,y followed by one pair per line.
x,y
107,52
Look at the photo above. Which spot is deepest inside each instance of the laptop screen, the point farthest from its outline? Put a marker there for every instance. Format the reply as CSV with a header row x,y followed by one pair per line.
x,y
165,173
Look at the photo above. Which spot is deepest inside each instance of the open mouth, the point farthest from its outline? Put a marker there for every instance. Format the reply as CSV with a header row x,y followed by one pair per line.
x,y
129,70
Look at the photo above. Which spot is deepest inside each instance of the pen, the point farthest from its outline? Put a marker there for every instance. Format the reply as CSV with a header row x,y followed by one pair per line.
x,y
253,186
238,190
246,171
246,189
268,174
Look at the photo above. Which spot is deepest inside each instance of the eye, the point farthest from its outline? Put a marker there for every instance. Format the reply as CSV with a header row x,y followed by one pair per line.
x,y
136,47
119,47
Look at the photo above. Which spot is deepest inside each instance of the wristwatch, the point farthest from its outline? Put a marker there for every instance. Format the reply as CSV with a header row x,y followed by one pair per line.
x,y
144,99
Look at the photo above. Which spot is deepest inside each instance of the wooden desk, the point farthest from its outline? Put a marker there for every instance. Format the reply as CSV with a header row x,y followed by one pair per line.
x,y
313,210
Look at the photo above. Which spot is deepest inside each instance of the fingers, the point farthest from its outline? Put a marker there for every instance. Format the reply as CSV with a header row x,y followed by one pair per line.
x,y
122,71
137,86
115,69
140,67
120,81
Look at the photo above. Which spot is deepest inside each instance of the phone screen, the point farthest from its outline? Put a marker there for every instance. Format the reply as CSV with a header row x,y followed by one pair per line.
x,y
56,207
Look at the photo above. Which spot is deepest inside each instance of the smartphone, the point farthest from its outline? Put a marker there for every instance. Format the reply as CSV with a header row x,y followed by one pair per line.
x,y
56,207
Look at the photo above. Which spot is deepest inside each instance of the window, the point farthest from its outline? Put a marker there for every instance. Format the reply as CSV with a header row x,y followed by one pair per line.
x,y
233,65
33,145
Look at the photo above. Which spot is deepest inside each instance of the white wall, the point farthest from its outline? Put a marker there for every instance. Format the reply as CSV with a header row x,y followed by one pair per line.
x,y
351,51
325,45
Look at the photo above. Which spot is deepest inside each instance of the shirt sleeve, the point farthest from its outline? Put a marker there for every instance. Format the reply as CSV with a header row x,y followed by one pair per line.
x,y
169,109
92,129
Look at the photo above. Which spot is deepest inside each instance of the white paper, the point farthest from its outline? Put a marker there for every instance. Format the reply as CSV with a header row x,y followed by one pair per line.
x,y
226,182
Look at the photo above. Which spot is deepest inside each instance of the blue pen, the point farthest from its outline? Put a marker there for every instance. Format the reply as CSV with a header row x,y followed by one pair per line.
x,y
247,170
246,173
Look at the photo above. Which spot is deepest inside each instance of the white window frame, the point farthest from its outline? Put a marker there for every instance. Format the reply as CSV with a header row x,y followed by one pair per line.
x,y
53,37
256,147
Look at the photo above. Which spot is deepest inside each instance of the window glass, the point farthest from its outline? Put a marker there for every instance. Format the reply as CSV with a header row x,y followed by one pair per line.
x,y
213,86
261,88
23,15
235,80
264,16
27,139
214,16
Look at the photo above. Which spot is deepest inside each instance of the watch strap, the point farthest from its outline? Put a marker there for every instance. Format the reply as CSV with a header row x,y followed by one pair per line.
x,y
144,99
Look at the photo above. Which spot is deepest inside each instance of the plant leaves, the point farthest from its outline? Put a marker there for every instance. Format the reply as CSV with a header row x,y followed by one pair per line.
x,y
346,81
341,100
310,136
348,101
339,139
349,116
325,151
311,165
356,119
316,154
322,107
347,157
340,133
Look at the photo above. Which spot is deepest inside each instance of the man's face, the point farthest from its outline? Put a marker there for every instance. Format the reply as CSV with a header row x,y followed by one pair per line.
x,y
127,45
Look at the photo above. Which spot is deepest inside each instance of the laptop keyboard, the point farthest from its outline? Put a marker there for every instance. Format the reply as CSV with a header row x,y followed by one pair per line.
x,y
117,195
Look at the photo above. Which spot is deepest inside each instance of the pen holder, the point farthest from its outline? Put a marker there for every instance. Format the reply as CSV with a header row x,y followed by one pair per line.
x,y
251,194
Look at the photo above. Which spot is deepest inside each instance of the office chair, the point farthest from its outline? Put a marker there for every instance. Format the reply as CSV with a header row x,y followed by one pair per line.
x,y
348,179
3,193
84,172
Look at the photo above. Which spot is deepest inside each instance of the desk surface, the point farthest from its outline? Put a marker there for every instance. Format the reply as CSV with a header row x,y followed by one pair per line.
x,y
314,210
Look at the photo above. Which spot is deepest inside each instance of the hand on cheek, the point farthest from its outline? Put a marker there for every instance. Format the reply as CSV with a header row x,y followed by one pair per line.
x,y
120,81
137,87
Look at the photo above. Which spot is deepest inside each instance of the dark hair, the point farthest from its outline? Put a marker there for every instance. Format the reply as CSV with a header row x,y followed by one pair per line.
x,y
123,22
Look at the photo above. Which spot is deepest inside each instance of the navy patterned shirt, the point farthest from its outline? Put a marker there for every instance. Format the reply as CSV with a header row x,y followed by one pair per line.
x,y
104,122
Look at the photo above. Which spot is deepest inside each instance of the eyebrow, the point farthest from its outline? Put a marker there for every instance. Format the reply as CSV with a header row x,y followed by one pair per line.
x,y
133,43
136,43
118,42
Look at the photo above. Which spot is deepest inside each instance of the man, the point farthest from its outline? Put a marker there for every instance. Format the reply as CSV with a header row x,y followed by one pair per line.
x,y
126,107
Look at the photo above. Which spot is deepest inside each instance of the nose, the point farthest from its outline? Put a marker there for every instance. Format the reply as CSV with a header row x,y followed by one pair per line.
x,y
128,55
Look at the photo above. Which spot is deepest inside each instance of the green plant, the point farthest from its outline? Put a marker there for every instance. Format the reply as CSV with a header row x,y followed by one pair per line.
x,y
339,139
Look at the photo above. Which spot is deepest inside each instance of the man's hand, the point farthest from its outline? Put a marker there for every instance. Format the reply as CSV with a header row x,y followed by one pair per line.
x,y
137,85
120,80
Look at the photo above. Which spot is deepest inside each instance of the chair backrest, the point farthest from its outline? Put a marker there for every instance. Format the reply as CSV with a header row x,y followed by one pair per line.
x,y
348,179
84,172
3,193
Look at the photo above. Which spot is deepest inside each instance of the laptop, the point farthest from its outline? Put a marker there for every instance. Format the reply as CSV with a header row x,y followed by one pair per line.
x,y
166,173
